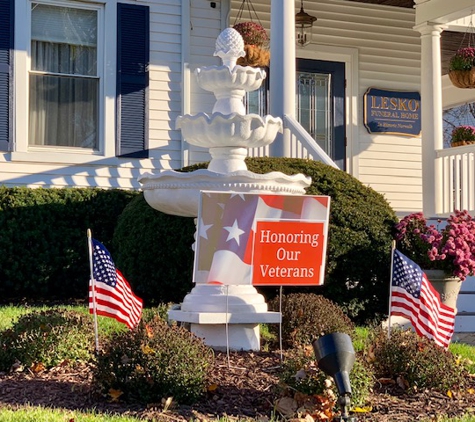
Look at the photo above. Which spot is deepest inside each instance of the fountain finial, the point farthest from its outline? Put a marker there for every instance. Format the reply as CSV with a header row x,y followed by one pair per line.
x,y
229,47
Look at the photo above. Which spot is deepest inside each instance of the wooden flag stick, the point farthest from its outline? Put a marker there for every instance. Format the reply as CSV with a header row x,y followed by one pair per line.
x,y
93,289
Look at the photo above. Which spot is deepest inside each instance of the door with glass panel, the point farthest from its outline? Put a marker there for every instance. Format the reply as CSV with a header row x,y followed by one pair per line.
x,y
320,105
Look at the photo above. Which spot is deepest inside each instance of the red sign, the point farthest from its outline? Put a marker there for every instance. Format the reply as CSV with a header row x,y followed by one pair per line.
x,y
289,253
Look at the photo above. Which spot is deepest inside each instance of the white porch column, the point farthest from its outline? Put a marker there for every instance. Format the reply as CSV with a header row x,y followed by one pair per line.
x,y
431,115
282,69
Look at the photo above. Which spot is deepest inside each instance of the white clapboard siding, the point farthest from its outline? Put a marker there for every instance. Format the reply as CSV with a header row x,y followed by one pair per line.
x,y
388,51
165,82
206,25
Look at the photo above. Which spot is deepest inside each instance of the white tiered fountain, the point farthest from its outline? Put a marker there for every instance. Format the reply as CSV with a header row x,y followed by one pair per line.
x,y
225,316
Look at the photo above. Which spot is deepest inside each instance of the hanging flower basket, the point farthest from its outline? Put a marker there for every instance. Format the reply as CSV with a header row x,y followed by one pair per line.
x,y
256,44
463,78
462,68
463,135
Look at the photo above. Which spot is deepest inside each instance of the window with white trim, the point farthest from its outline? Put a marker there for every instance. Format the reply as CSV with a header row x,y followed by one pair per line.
x,y
64,77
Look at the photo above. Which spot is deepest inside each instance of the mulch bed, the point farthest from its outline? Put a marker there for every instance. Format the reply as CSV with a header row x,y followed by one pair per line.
x,y
242,387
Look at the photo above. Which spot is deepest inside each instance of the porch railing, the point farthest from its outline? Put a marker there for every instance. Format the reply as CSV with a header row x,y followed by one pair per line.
x,y
302,145
457,184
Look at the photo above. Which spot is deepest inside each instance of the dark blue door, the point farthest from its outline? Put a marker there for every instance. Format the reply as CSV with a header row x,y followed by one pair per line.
x,y
320,105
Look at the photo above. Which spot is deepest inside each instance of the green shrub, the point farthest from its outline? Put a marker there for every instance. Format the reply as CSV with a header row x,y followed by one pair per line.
x,y
360,235
306,316
154,361
154,250
416,361
47,338
300,372
43,240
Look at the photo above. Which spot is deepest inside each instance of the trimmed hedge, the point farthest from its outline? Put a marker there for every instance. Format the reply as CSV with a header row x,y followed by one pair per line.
x,y
43,243
154,249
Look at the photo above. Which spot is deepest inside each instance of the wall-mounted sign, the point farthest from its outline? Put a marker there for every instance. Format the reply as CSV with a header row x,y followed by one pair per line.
x,y
392,112
261,239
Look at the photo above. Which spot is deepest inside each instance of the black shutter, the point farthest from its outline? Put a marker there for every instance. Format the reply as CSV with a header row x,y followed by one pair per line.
x,y
132,80
6,55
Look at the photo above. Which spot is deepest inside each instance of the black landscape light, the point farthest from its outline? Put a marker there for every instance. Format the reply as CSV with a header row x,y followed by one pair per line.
x,y
336,356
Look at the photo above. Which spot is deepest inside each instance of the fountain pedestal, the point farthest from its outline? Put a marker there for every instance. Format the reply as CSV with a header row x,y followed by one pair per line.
x,y
225,316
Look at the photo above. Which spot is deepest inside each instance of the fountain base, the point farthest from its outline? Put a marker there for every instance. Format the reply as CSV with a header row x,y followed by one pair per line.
x,y
225,316
242,329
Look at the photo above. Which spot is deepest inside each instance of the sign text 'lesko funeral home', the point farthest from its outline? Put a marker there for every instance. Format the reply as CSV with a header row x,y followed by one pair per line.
x,y
392,112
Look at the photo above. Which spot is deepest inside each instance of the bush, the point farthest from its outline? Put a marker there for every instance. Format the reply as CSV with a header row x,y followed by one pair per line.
x,y
416,361
153,250
300,372
360,235
43,240
306,316
154,361
45,339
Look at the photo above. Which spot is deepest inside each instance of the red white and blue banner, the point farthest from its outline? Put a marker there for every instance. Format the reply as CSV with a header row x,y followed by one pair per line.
x,y
261,239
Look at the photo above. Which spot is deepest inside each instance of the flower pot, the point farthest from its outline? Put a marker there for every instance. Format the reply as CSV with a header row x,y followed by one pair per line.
x,y
463,78
447,286
255,56
461,143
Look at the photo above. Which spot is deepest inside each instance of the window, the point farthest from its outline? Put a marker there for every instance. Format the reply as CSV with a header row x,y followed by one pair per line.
x,y
257,102
64,78
314,107
79,86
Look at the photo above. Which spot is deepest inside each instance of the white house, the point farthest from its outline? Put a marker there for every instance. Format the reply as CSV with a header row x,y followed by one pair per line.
x,y
90,90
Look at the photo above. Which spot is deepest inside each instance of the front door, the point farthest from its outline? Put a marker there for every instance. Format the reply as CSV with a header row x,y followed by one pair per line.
x,y
320,105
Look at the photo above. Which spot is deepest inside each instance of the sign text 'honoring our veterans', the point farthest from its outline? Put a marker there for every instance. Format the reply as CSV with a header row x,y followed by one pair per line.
x,y
261,239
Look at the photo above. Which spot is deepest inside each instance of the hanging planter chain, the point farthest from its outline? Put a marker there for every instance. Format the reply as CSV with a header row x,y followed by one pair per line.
x,y
469,33
247,4
460,75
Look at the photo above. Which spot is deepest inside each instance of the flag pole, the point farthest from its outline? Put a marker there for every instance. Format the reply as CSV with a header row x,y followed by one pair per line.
x,y
93,289
393,248
280,326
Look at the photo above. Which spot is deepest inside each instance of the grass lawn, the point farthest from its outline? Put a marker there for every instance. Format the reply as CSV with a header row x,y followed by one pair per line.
x,y
39,414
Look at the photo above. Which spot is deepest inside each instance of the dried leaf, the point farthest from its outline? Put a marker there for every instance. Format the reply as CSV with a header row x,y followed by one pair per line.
x,y
386,381
115,394
364,409
37,367
17,367
286,405
147,350
149,331
212,387
167,403
402,383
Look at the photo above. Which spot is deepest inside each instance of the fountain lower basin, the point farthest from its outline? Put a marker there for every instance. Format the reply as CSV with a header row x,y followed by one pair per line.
x,y
177,193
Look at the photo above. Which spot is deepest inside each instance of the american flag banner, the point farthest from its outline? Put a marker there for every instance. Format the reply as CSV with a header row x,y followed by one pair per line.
x,y
413,297
112,293
226,227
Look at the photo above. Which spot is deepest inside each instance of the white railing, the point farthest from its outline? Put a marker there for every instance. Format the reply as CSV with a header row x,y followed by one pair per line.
x,y
457,184
302,145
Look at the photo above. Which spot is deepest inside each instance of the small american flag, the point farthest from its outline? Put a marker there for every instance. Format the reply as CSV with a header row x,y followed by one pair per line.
x,y
113,295
413,297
